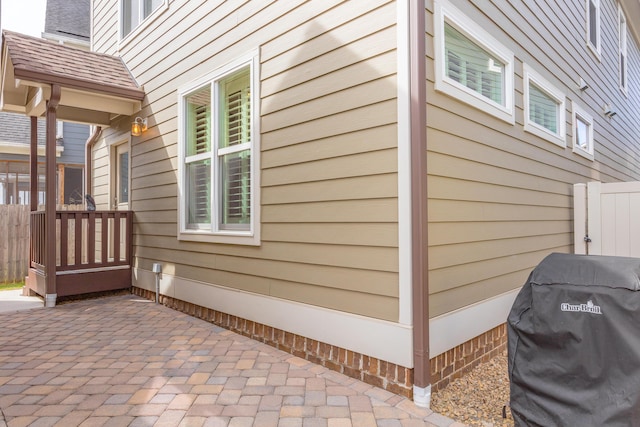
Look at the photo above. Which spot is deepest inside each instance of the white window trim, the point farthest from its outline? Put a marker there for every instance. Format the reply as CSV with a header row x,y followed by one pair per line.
x,y
594,49
579,112
240,237
623,41
559,138
124,40
111,144
445,11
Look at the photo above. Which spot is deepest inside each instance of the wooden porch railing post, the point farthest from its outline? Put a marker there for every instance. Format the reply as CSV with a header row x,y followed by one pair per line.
x,y
50,206
91,238
64,239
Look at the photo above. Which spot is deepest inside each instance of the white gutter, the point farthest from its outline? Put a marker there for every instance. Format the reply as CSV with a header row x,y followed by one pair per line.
x,y
23,149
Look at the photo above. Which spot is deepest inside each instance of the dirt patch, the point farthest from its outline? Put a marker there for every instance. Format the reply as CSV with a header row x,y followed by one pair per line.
x,y
478,398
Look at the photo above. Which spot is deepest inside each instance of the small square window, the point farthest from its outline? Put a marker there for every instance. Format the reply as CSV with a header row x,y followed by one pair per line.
x,y
544,108
471,65
582,132
593,26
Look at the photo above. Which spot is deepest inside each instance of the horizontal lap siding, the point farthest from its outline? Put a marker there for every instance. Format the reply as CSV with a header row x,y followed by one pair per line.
x,y
500,199
329,162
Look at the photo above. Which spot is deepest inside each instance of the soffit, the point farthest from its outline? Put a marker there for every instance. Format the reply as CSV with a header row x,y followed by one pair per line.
x,y
632,11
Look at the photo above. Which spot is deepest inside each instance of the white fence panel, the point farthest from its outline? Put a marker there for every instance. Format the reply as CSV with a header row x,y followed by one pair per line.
x,y
612,213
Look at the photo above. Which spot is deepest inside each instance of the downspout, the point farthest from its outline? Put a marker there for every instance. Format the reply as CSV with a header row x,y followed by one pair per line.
x,y
50,204
88,164
419,222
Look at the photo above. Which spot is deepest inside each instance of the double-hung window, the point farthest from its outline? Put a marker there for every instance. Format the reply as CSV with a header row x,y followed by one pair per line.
x,y
582,132
622,49
471,65
544,108
134,12
593,26
218,140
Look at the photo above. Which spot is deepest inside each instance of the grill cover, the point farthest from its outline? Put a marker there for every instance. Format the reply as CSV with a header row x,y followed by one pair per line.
x,y
574,343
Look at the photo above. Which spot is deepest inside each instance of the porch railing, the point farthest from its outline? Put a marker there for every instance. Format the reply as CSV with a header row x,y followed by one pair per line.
x,y
85,240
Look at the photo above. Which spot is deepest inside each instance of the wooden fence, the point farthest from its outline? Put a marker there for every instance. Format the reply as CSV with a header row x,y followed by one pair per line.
x,y
14,243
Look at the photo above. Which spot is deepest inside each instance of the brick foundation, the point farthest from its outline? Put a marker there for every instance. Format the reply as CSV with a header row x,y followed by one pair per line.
x,y
460,360
379,373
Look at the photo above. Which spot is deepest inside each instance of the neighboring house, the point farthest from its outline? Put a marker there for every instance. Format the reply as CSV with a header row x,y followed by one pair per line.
x,y
15,136
66,23
364,183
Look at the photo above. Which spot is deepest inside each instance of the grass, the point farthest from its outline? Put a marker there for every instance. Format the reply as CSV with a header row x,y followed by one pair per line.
x,y
11,286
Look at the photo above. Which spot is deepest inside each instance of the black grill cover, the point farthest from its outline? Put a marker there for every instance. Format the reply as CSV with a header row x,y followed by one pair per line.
x,y
574,343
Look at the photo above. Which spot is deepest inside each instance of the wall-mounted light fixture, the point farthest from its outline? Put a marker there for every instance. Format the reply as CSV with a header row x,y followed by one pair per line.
x,y
138,126
582,85
608,111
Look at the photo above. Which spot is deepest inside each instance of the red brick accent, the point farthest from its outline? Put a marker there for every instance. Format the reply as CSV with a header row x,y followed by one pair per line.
x,y
380,373
462,359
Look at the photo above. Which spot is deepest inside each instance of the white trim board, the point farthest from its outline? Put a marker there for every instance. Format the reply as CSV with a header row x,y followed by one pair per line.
x,y
452,329
381,339
404,166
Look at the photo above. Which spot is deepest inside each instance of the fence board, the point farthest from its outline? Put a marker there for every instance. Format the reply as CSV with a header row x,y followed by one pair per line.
x,y
607,218
14,243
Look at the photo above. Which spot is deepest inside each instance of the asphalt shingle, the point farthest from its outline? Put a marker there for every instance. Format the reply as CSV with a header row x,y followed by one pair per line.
x,y
55,63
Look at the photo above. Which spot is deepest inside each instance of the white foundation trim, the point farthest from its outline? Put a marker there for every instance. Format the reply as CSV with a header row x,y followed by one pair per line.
x,y
381,339
422,396
452,329
404,164
50,300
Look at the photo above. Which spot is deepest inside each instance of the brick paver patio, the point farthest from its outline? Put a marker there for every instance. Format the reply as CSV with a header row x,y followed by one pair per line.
x,y
125,361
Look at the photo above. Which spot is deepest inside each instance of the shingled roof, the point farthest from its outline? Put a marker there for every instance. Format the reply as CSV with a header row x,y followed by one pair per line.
x,y
68,19
44,61
95,88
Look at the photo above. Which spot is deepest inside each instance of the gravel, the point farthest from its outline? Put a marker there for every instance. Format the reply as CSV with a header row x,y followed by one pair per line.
x,y
478,398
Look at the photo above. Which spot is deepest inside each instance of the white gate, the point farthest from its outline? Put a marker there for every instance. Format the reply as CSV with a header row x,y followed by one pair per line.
x,y
607,218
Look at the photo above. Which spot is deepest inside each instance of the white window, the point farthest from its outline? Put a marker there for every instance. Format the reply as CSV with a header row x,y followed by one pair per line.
x,y
219,196
622,49
593,26
470,64
544,108
59,129
582,132
134,12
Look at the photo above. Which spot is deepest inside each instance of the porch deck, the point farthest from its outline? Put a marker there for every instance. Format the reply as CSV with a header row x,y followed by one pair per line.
x,y
93,252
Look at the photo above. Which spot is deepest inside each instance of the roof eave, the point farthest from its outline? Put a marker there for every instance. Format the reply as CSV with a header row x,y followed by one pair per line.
x,y
49,79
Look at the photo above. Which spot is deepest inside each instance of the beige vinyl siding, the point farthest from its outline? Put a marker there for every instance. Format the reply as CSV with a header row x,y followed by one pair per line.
x,y
328,146
105,23
500,199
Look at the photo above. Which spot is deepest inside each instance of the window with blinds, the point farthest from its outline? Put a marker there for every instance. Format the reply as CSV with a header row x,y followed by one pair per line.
x,y
234,151
217,152
544,107
198,157
473,67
